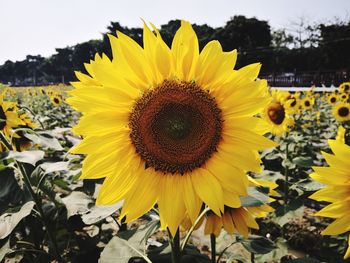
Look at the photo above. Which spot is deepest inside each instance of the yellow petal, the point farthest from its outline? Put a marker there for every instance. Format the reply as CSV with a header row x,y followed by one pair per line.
x,y
208,189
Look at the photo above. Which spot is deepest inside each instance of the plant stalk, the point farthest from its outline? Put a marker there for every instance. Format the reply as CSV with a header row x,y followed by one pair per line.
x,y
35,199
213,248
175,246
286,178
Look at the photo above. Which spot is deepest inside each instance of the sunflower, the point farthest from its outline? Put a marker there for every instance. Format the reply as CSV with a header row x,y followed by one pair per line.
x,y
344,87
332,99
344,97
307,103
292,105
341,134
42,91
336,177
8,116
277,114
56,99
170,126
20,141
341,112
240,219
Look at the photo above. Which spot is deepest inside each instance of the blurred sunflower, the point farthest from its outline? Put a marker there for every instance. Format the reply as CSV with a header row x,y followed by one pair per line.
x,y
307,103
8,116
344,97
292,105
341,134
240,219
56,99
170,126
341,112
336,177
333,99
42,91
277,114
344,87
20,141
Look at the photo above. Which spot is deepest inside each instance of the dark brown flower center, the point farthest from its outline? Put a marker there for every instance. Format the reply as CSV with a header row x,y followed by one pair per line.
x,y
276,113
307,103
294,102
343,111
333,99
2,118
175,127
56,100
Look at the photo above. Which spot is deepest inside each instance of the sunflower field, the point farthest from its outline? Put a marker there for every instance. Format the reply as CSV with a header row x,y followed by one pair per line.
x,y
169,154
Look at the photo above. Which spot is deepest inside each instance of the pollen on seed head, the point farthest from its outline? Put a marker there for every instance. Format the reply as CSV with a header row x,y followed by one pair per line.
x,y
175,127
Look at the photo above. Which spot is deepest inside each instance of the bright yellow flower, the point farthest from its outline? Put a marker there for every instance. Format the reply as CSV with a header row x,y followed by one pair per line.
x,y
292,105
242,218
341,134
344,97
333,99
341,112
170,126
55,99
307,103
336,177
8,116
277,114
344,87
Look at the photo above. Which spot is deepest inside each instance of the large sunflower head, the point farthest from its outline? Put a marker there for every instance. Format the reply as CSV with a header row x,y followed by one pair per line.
x,y
169,125
336,178
344,87
277,114
341,112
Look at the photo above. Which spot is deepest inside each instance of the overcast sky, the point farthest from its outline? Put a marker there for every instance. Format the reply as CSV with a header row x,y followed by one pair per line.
x,y
39,26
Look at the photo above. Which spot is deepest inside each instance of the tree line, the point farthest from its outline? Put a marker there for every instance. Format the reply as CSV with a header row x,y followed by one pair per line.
x,y
300,48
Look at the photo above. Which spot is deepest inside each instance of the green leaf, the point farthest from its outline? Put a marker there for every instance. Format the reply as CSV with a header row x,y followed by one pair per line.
x,y
297,213
311,186
276,254
120,250
45,140
257,244
54,167
257,196
302,260
98,213
9,221
76,203
31,157
5,249
303,161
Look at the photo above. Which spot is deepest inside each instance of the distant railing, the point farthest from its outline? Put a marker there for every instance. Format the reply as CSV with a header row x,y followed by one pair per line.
x,y
316,89
307,79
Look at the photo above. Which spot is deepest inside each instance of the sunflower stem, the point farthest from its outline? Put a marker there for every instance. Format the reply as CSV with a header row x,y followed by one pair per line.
x,y
213,248
286,177
123,225
175,247
183,245
35,198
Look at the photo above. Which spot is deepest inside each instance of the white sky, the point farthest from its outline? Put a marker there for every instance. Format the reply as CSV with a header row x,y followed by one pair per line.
x,y
39,26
